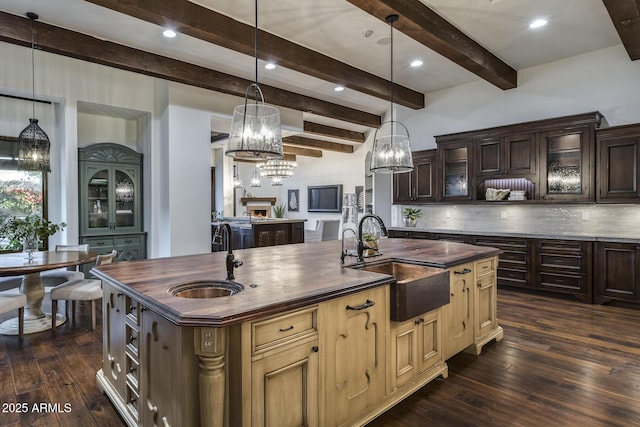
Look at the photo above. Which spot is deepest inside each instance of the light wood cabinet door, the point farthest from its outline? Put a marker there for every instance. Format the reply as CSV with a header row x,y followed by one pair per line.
x,y
113,355
486,320
355,352
284,388
458,315
416,346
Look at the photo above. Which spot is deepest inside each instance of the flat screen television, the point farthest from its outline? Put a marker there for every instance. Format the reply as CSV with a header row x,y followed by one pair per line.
x,y
324,198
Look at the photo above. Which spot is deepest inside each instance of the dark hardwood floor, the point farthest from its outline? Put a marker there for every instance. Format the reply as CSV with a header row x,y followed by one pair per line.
x,y
561,363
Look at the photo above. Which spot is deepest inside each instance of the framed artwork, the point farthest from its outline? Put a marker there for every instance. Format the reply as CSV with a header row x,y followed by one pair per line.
x,y
293,202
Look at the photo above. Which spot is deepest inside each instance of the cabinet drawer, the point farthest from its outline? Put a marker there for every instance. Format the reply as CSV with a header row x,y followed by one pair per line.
x,y
564,261
486,266
512,277
502,243
133,372
561,246
514,257
128,241
132,339
283,329
567,282
132,310
98,243
132,401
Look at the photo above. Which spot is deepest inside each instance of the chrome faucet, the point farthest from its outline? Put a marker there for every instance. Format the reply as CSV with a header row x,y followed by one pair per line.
x,y
231,261
361,245
343,251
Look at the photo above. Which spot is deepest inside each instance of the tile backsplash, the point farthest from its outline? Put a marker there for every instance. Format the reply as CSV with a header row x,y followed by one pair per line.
x,y
592,220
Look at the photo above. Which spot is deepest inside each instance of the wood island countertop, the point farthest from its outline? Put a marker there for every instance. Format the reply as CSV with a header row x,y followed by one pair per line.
x,y
275,278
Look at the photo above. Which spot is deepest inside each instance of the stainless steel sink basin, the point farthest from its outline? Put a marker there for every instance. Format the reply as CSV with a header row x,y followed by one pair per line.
x,y
206,289
418,288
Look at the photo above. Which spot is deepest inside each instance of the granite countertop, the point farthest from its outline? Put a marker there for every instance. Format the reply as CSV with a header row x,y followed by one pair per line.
x,y
275,278
630,237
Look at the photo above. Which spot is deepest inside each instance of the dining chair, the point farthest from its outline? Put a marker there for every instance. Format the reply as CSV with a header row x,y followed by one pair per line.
x,y
59,276
80,290
14,301
314,235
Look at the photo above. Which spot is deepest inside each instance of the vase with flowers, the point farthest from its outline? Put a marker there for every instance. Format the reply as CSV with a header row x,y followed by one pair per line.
x,y
26,233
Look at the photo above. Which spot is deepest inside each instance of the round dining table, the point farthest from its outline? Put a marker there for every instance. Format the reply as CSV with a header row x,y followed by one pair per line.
x,y
19,264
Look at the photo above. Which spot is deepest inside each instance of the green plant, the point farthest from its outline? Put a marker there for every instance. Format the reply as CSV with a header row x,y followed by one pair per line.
x,y
279,210
15,229
412,213
369,238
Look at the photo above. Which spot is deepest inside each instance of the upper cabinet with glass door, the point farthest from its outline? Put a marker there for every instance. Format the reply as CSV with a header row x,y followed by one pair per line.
x,y
109,189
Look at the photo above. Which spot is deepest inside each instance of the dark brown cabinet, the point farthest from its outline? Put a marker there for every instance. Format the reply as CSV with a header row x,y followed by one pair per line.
x,y
617,272
506,156
567,164
417,186
564,266
618,177
455,170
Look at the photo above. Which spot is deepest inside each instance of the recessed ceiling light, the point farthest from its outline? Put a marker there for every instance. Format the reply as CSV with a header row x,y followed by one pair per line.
x,y
270,66
367,33
416,63
338,88
169,33
538,23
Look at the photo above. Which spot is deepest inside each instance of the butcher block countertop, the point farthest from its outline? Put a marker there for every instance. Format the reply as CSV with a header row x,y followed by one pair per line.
x,y
275,278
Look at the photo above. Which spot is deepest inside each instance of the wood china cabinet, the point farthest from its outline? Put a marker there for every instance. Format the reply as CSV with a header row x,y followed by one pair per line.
x,y
506,156
111,200
618,174
455,173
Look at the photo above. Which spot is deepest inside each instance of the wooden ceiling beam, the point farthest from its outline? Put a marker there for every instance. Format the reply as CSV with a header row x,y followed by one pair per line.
x,y
205,24
301,141
290,150
333,132
625,15
17,30
427,27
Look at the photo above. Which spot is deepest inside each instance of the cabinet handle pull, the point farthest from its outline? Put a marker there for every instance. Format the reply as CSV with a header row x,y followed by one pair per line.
x,y
286,329
417,321
132,338
119,294
367,304
465,271
314,349
152,407
132,370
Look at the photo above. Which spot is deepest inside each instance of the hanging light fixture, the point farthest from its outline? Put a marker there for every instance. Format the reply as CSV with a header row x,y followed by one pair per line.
x,y
276,168
255,128
237,182
255,178
391,144
276,181
33,142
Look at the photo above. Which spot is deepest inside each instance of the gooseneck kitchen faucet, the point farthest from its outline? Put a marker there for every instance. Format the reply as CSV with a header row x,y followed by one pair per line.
x,y
231,261
361,244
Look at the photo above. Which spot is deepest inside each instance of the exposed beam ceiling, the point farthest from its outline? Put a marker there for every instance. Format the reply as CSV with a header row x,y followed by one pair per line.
x,y
309,152
206,24
427,27
17,30
302,141
333,132
625,15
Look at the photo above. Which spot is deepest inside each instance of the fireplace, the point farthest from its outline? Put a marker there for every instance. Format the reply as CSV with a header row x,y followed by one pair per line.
x,y
259,207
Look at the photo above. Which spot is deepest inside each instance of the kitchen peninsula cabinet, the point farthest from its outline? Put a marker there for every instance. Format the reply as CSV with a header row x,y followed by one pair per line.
x,y
417,186
617,272
564,266
618,177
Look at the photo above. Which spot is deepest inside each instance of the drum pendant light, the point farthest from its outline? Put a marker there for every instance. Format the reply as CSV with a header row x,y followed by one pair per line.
x,y
255,127
33,142
391,144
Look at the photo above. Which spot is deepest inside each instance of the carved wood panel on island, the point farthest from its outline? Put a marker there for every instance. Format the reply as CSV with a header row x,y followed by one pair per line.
x,y
334,360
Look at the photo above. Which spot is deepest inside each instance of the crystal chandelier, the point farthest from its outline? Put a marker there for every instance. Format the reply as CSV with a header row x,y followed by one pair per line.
x,y
276,168
255,128
33,142
391,145
276,181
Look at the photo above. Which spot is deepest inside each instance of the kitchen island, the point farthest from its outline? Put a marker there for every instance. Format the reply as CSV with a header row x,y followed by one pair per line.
x,y
308,341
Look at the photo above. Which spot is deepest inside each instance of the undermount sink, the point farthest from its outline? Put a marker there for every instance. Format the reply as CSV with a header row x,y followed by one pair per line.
x,y
418,288
206,289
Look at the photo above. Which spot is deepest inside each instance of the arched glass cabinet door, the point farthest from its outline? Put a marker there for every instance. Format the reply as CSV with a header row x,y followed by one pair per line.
x,y
98,194
125,196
